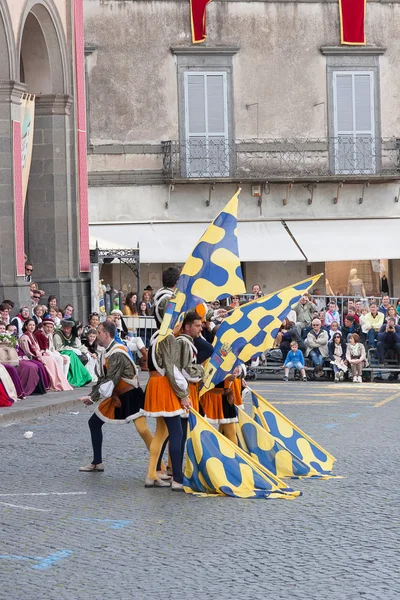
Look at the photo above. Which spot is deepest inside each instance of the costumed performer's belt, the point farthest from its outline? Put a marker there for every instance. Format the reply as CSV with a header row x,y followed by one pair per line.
x,y
155,374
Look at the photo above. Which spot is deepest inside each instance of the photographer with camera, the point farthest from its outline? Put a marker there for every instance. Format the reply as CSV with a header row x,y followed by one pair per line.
x,y
388,339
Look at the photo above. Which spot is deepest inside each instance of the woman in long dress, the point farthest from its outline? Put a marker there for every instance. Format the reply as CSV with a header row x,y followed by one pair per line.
x,y
31,348
8,387
68,344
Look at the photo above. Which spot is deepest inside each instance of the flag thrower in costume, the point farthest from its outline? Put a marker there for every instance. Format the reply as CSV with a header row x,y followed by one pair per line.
x,y
352,17
292,438
270,452
198,20
212,272
214,465
250,330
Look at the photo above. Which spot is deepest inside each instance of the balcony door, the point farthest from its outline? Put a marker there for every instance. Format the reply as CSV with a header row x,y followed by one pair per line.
x,y
354,144
206,148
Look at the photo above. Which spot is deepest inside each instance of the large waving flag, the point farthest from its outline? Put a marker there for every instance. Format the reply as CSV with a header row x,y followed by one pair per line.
x,y
211,272
214,465
250,330
293,438
270,452
198,20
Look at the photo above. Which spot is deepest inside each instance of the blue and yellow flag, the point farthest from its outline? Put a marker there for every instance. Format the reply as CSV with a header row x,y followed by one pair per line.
x,y
293,439
270,452
216,466
250,330
211,272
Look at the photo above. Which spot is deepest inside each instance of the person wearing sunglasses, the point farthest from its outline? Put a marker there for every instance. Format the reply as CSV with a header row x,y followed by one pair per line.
x,y
28,271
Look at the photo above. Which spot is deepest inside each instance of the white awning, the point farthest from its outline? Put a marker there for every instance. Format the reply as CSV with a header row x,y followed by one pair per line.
x,y
259,241
350,239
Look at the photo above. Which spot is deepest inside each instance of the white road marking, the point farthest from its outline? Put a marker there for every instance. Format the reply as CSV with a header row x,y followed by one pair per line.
x,y
25,507
46,494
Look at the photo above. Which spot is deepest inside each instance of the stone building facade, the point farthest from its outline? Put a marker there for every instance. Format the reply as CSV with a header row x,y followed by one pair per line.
x,y
38,42
271,102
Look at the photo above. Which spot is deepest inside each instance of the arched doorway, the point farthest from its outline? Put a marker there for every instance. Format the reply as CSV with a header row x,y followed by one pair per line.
x,y
51,219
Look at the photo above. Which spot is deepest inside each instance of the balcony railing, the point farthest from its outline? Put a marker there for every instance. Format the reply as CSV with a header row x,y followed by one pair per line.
x,y
343,157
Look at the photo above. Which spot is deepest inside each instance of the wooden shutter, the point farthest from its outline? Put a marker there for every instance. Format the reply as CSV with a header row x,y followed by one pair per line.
x,y
206,124
354,128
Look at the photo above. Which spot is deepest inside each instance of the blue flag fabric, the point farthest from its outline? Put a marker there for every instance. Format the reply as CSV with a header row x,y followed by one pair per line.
x,y
211,272
270,452
297,442
216,466
250,330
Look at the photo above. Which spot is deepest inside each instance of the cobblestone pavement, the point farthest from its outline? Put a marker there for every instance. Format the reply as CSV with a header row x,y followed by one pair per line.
x,y
103,535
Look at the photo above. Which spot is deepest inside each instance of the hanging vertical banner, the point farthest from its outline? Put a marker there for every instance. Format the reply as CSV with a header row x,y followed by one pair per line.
x,y
84,253
27,120
18,199
352,17
198,20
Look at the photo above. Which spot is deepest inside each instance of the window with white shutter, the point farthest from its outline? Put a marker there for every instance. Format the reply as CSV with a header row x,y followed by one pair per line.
x,y
206,124
354,141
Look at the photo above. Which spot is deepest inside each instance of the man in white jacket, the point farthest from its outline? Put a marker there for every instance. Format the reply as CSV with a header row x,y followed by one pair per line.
x,y
317,345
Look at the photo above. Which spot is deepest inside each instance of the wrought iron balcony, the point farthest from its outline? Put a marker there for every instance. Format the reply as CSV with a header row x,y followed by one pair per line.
x,y
344,157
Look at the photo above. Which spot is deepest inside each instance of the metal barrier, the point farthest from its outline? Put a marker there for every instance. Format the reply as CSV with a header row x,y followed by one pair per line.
x,y
142,327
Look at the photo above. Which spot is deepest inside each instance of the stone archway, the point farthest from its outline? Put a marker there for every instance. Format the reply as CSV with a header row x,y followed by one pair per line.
x,y
51,224
9,101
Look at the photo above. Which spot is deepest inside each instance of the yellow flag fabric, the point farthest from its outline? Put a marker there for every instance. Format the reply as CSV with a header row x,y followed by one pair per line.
x,y
270,452
250,330
212,271
290,436
216,466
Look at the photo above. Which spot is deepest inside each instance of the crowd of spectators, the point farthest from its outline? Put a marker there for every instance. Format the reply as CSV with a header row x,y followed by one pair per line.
x,y
316,327
44,347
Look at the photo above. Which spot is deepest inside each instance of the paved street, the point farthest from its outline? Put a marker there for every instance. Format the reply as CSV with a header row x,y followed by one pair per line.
x,y
71,535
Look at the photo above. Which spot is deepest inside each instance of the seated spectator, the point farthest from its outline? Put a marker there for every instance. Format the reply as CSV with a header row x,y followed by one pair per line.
x,y
235,302
351,312
350,326
384,305
333,329
332,314
51,302
397,306
130,307
44,337
11,330
143,310
356,357
304,310
337,354
286,335
294,359
9,303
391,312
358,306
371,324
388,339
148,298
120,324
317,345
257,293
320,301
34,290
29,345
20,319
22,371
53,314
68,312
67,343
4,313
38,314
306,330
95,352
94,322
